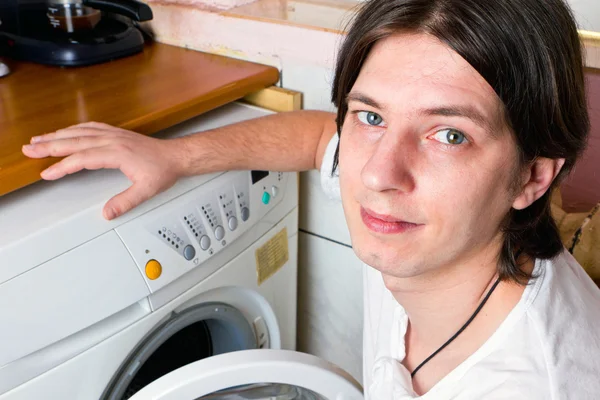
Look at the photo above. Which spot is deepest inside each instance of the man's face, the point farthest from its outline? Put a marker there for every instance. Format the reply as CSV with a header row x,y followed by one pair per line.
x,y
427,161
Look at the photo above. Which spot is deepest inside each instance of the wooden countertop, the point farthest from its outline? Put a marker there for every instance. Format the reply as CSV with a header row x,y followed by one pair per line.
x,y
146,92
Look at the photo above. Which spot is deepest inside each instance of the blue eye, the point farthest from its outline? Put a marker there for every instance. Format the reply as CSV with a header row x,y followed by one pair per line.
x,y
370,118
450,136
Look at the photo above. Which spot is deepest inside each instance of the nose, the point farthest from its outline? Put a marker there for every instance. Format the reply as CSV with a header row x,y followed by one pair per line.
x,y
391,165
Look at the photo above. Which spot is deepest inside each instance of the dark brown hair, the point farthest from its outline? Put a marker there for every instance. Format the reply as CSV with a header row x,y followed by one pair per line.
x,y
529,52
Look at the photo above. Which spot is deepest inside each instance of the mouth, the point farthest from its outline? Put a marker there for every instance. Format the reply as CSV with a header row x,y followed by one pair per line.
x,y
386,224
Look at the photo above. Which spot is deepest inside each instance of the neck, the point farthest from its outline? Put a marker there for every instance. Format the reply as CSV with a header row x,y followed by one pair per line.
x,y
439,303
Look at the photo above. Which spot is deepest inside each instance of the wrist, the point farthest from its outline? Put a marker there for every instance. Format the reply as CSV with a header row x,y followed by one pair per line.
x,y
180,153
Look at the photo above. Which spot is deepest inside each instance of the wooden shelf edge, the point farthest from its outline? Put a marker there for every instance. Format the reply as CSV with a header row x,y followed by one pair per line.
x,y
275,99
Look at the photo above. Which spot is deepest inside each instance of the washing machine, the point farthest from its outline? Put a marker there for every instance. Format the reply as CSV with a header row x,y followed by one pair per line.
x,y
192,294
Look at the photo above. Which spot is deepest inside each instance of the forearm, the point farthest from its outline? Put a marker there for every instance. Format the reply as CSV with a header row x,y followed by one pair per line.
x,y
292,141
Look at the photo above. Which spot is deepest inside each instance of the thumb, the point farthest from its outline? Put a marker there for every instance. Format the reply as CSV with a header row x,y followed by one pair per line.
x,y
124,201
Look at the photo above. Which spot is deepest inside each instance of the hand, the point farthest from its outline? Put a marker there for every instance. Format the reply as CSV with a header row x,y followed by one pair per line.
x,y
149,163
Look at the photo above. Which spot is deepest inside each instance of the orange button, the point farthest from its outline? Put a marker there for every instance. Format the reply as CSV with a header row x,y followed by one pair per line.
x,y
153,269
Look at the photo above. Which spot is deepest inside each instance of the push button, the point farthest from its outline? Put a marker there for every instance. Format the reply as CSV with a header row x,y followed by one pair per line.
x,y
153,269
233,223
219,232
204,242
245,213
266,198
189,252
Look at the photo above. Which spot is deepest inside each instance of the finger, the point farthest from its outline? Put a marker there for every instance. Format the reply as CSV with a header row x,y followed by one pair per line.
x,y
83,129
91,159
68,133
93,124
125,201
64,147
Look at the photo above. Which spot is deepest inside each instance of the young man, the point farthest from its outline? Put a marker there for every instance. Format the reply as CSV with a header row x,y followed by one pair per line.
x,y
456,120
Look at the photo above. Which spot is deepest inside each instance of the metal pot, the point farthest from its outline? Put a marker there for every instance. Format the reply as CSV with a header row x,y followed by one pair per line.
x,y
72,16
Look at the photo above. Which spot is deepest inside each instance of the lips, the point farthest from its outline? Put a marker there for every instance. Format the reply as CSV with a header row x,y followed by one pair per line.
x,y
385,223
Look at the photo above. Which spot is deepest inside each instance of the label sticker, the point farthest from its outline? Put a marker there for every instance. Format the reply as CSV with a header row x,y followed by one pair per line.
x,y
271,256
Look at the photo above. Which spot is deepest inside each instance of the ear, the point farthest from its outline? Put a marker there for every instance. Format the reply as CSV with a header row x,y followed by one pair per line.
x,y
536,179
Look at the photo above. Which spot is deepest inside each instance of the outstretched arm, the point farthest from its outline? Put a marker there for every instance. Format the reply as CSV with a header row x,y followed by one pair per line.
x,y
292,141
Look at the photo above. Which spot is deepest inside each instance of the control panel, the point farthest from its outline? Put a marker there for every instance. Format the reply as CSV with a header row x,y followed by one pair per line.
x,y
186,231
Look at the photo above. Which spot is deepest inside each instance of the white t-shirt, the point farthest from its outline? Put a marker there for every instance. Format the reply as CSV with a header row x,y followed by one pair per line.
x,y
548,347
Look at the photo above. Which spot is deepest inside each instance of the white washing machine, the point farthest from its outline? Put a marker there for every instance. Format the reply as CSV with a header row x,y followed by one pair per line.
x,y
191,293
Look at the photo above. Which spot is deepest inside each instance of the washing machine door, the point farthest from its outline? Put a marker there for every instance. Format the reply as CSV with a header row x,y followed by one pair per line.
x,y
255,374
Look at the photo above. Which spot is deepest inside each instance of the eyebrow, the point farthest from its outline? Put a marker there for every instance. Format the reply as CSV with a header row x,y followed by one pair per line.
x,y
363,98
463,111
468,112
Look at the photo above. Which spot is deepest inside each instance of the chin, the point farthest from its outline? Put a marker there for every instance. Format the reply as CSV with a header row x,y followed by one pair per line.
x,y
388,258
391,266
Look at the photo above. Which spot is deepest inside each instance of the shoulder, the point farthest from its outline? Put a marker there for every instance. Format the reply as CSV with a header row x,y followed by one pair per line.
x,y
565,318
565,287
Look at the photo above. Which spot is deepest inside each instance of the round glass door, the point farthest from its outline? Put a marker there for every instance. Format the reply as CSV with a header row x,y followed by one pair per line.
x,y
197,333
255,374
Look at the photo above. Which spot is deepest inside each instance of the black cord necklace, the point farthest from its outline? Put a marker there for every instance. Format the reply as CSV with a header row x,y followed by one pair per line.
x,y
485,299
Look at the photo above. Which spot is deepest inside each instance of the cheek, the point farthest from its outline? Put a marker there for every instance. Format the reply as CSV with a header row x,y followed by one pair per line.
x,y
476,197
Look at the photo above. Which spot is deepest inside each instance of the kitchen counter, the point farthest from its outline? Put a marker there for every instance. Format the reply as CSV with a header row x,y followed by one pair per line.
x,y
147,92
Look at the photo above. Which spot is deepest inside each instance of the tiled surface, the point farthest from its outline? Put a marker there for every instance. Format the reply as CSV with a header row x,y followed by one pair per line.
x,y
330,307
326,15
203,4
330,15
246,38
319,214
